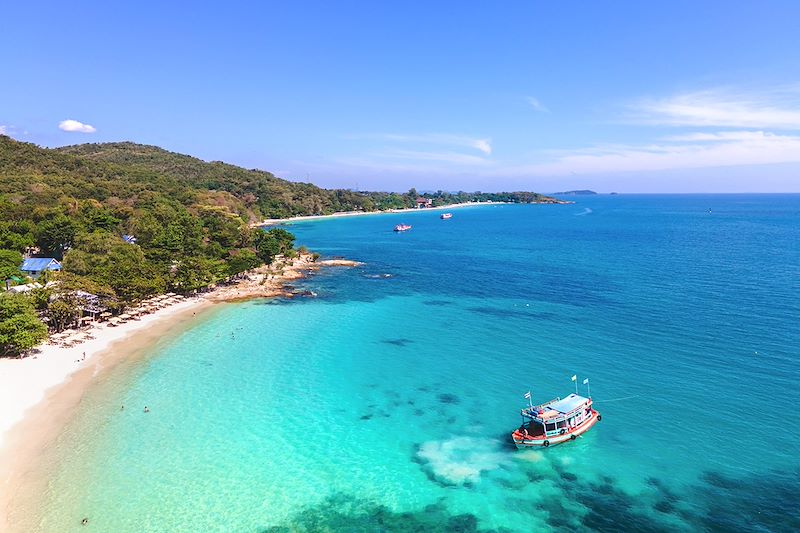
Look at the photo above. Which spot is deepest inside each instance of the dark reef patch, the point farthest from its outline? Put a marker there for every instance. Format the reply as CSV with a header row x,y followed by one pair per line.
x,y
757,503
448,398
719,480
569,476
717,503
437,303
366,417
664,506
402,342
347,514
418,412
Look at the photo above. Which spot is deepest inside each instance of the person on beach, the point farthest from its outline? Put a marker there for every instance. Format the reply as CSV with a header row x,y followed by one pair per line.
x,y
84,357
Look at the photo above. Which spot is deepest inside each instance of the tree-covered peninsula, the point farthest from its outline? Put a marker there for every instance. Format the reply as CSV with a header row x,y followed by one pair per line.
x,y
127,221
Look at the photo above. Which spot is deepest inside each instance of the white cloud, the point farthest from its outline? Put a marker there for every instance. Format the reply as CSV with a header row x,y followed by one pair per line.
x,y
75,126
484,145
719,129
706,150
3,130
719,136
777,108
447,157
440,139
536,104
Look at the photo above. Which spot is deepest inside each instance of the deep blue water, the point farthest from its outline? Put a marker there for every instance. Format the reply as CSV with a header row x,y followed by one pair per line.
x,y
385,403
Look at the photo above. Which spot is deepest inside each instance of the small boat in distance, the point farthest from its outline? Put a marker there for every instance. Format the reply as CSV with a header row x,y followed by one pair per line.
x,y
402,227
554,422
445,216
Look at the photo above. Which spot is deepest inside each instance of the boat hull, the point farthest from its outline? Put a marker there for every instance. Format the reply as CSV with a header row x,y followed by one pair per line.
x,y
543,442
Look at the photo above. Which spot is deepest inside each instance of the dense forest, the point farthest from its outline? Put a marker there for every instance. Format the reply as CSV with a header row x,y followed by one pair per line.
x,y
257,195
192,223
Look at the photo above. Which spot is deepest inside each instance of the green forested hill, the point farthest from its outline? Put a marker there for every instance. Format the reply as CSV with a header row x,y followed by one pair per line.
x,y
62,204
255,194
191,220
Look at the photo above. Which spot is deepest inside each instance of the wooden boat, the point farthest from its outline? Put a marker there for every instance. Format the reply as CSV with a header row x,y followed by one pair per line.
x,y
559,420
402,227
445,216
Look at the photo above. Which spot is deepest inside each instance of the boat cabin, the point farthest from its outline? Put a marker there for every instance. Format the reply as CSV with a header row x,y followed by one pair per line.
x,y
557,417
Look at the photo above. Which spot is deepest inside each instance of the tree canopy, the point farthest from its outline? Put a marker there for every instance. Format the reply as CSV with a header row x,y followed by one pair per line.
x,y
10,261
20,328
192,221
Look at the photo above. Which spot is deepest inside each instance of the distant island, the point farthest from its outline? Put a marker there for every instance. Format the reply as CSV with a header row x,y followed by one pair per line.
x,y
582,192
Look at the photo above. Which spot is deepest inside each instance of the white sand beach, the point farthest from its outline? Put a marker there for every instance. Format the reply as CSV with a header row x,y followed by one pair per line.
x,y
275,221
39,393
24,382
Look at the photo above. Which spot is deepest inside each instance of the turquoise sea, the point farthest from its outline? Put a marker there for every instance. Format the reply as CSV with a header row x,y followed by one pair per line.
x,y
385,403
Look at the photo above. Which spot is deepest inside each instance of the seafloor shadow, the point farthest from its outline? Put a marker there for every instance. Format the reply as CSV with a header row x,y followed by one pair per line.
x,y
716,502
347,514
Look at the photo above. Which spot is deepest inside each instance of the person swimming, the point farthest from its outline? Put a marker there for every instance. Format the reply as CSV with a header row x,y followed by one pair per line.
x,y
84,521
146,409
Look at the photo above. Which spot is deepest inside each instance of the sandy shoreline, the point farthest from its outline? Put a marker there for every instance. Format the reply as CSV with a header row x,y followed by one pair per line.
x,y
39,394
274,221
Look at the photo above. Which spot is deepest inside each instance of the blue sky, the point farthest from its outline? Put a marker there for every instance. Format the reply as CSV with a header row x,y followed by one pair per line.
x,y
669,96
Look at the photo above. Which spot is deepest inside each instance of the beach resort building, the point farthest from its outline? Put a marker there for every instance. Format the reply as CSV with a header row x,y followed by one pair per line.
x,y
28,287
424,202
35,266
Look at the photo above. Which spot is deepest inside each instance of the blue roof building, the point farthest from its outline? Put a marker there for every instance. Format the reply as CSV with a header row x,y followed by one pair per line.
x,y
36,265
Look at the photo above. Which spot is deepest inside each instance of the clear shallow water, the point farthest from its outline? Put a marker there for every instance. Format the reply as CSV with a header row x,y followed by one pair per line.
x,y
385,403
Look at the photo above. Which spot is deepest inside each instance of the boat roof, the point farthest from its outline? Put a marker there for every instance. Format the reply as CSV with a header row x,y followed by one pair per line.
x,y
568,404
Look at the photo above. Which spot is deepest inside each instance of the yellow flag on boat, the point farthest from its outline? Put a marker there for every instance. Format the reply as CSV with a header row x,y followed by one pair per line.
x,y
575,377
